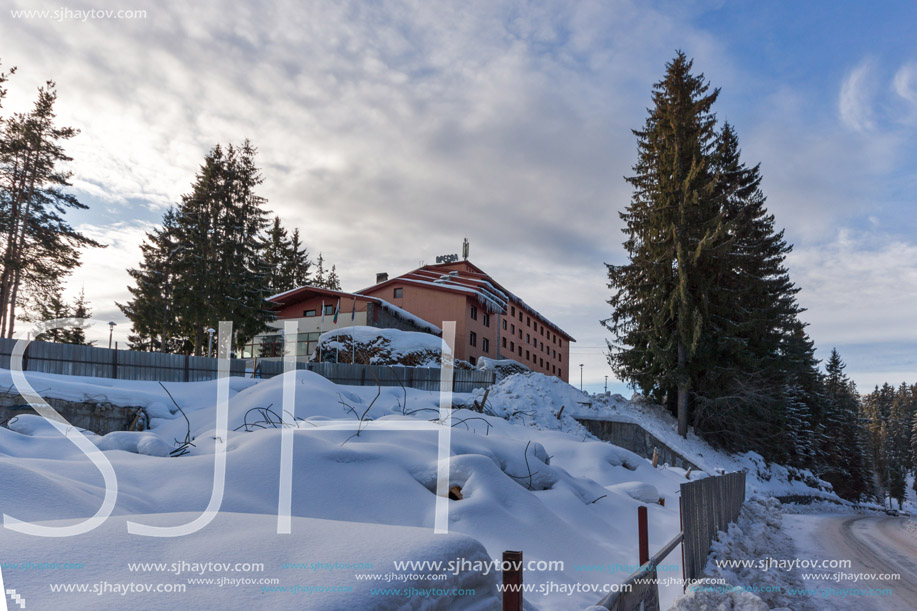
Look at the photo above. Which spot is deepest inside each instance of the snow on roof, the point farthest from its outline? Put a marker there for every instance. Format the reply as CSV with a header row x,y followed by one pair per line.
x,y
404,314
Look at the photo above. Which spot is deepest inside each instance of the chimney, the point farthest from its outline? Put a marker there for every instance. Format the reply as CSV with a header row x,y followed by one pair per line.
x,y
381,277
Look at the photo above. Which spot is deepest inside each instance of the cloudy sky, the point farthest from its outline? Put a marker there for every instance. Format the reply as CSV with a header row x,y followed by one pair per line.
x,y
389,131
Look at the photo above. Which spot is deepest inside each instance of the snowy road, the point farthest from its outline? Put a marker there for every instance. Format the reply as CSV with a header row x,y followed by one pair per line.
x,y
876,545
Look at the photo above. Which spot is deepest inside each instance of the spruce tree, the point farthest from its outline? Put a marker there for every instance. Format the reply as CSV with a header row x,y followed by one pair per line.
x,y
843,455
275,258
80,310
286,260
205,265
319,279
48,304
333,282
675,233
299,265
151,309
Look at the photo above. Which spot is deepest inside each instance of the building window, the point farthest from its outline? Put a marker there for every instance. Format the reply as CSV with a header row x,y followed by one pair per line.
x,y
308,313
472,360
512,329
504,342
485,344
474,313
399,293
527,356
512,310
329,309
504,324
541,362
473,338
520,333
528,338
520,350
486,320
520,315
528,321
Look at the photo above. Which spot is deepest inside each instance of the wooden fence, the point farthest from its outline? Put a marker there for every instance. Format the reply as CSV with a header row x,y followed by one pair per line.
x,y
423,378
74,360
708,506
70,359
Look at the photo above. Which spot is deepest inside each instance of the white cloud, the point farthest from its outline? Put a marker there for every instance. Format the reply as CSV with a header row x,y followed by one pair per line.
x,y
859,288
855,102
905,83
390,131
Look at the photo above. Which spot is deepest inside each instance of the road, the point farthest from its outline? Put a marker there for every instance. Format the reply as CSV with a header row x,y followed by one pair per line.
x,y
874,545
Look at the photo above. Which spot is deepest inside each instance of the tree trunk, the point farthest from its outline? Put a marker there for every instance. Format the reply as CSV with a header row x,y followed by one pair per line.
x,y
682,391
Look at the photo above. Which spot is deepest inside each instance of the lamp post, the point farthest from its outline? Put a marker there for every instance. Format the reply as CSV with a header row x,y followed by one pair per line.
x,y
581,377
210,332
606,385
111,331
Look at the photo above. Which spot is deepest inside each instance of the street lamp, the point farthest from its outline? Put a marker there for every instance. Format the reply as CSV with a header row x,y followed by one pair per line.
x,y
111,331
210,332
581,377
606,385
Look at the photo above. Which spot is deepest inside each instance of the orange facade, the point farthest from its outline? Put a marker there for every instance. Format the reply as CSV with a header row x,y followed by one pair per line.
x,y
490,321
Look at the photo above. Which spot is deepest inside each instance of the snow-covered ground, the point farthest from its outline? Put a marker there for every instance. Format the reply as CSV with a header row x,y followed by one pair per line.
x,y
529,481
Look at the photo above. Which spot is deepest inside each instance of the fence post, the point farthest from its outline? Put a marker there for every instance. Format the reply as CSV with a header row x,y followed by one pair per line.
x,y
512,575
681,527
643,535
187,368
114,362
25,356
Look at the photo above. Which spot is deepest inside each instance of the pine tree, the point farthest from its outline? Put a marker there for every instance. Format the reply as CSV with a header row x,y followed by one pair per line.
x,y
333,282
843,456
151,310
675,231
205,264
319,279
47,305
299,273
286,260
80,310
897,443
705,316
37,243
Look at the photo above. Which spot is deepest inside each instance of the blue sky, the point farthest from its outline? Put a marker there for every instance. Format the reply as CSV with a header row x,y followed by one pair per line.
x,y
389,131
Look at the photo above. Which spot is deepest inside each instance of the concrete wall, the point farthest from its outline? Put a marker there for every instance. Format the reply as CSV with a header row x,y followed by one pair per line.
x,y
98,417
633,437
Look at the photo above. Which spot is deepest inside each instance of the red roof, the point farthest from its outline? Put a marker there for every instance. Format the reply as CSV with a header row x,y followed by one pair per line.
x,y
444,277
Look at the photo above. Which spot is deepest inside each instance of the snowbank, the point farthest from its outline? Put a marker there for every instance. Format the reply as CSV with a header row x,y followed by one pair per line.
x,y
502,367
536,488
313,568
755,536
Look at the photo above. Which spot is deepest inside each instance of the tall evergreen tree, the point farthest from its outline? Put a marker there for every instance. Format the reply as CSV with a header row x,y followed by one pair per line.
x,y
675,233
151,310
286,260
209,256
843,454
299,265
333,282
36,242
81,311
319,279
